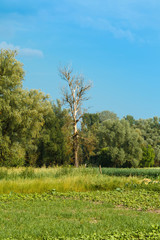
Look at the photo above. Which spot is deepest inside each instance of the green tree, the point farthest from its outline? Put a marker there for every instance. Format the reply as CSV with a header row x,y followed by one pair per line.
x,y
107,115
21,114
88,138
34,109
130,119
89,119
148,157
150,131
11,76
123,143
54,144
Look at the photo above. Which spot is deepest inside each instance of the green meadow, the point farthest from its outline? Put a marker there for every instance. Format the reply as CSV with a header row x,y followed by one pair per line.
x,y
70,203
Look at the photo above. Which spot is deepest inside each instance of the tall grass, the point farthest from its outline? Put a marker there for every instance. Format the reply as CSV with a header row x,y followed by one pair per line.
x,y
32,173
63,179
66,183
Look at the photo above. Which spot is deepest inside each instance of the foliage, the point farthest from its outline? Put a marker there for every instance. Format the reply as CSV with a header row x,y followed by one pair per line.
x,y
150,131
11,76
130,119
54,144
21,114
88,141
89,119
148,157
123,143
107,115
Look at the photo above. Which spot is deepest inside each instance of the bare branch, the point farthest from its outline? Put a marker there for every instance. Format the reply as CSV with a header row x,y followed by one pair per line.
x,y
74,94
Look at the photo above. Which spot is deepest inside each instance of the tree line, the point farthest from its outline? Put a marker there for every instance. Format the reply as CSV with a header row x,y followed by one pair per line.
x,y
35,131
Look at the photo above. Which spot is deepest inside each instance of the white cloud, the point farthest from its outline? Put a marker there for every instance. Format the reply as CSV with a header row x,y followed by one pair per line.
x,y
31,52
116,31
129,19
28,52
105,25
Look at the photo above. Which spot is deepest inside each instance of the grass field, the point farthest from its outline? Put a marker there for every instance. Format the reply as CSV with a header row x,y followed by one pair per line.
x,y
68,203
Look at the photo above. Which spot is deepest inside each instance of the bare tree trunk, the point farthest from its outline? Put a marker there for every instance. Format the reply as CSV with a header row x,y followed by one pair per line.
x,y
76,161
75,145
74,98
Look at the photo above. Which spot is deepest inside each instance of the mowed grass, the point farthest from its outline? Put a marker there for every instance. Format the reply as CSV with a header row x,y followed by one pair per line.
x,y
69,218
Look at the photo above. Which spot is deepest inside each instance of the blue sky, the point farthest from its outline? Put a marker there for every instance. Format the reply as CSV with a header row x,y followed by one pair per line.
x,y
114,43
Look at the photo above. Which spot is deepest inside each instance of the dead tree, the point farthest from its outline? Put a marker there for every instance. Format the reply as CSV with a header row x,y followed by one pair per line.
x,y
74,94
